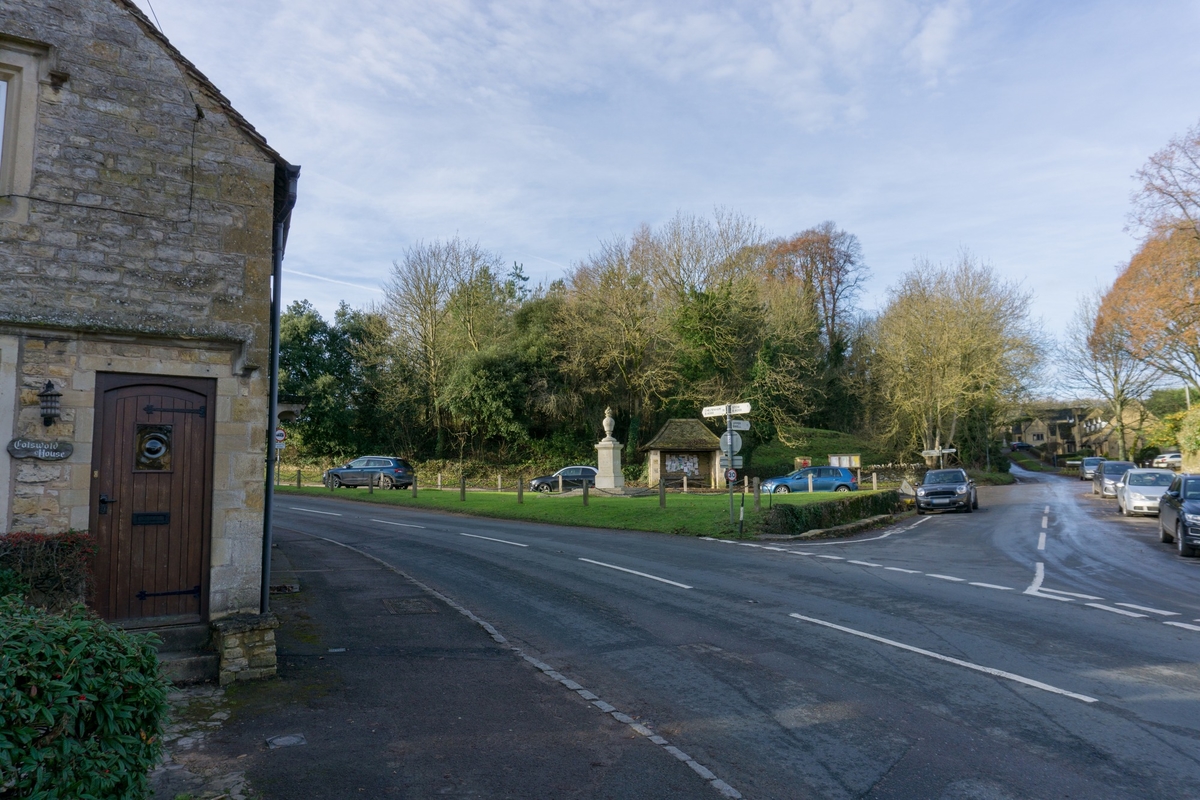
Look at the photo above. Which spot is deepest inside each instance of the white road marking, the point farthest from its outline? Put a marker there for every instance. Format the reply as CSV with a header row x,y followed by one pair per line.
x,y
944,577
635,572
872,539
1158,611
1184,625
949,660
798,553
992,586
1042,540
1045,522
835,558
1035,588
1047,511
1073,594
1115,610
490,539
863,563
398,524
908,571
310,511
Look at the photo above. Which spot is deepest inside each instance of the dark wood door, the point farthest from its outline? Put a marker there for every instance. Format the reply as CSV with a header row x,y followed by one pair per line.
x,y
151,497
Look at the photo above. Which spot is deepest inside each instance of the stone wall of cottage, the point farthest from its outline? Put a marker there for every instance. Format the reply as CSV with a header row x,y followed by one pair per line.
x,y
144,246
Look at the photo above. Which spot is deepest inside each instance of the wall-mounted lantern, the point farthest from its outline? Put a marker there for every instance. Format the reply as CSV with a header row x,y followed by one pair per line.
x,y
49,399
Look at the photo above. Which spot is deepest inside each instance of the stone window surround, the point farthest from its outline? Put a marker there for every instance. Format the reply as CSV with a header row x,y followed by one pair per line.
x,y
8,420
24,65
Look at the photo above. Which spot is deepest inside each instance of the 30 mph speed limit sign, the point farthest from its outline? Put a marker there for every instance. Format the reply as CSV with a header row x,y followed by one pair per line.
x,y
731,475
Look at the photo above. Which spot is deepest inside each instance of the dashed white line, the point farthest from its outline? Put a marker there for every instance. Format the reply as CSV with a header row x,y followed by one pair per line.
x,y
311,511
949,660
907,571
398,524
1158,611
635,572
835,558
1045,522
944,577
1115,610
1042,540
1047,511
1073,594
992,586
490,539
863,563
1184,625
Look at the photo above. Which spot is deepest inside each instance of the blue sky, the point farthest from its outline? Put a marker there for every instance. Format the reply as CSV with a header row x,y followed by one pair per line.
x,y
1010,129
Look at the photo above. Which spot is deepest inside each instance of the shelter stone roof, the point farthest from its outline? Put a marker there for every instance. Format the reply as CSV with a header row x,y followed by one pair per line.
x,y
684,434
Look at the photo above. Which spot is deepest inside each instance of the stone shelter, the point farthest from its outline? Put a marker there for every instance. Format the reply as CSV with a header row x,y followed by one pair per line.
x,y
685,447
142,228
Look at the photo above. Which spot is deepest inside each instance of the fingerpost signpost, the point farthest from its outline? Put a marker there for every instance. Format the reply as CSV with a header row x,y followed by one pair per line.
x,y
731,442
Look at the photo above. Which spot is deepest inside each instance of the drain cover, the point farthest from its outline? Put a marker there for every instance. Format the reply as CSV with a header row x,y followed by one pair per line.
x,y
410,605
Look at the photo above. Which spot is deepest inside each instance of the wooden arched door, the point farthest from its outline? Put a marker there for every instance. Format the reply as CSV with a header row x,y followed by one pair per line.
x,y
151,497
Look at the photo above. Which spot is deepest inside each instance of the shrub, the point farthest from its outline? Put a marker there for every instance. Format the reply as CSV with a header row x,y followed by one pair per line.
x,y
791,519
12,583
55,567
82,706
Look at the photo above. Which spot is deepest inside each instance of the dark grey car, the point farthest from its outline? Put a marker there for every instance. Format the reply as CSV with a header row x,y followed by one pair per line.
x,y
572,478
1104,482
386,472
946,490
1179,514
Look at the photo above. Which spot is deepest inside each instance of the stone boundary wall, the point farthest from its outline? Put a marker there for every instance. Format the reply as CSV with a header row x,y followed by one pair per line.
x,y
245,644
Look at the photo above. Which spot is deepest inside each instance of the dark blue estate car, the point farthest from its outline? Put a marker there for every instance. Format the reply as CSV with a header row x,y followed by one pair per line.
x,y
385,472
1179,514
824,479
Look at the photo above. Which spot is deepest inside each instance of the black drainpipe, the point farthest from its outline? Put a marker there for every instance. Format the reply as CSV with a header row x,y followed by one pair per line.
x,y
286,176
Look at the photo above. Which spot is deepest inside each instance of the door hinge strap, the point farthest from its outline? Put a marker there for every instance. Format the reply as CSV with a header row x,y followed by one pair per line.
x,y
143,594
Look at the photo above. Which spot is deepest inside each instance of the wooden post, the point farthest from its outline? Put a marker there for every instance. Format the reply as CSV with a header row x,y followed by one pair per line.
x,y
560,484
685,491
874,482
414,486
758,494
462,487
810,481
371,485
439,481
298,479
662,491
585,491
520,489
499,482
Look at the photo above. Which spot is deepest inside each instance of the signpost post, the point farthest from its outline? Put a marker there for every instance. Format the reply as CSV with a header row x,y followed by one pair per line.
x,y
280,443
731,442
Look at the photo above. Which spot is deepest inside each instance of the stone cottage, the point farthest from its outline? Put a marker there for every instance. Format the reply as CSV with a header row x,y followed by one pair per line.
x,y
141,220
685,447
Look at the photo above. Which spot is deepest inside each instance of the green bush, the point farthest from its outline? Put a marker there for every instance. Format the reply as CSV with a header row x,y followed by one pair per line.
x,y
12,583
55,568
791,518
82,706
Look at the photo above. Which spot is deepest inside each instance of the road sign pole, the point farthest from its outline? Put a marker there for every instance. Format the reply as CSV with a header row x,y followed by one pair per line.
x,y
729,451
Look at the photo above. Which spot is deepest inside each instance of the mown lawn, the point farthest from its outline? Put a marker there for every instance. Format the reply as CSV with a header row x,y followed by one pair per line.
x,y
1026,461
688,514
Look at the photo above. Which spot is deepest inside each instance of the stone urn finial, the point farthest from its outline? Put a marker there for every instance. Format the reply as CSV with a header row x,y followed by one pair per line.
x,y
609,424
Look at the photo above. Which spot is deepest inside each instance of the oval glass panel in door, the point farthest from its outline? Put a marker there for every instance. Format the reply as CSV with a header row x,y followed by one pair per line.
x,y
153,448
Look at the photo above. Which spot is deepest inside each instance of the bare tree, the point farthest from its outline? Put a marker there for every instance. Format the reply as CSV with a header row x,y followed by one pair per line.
x,y
831,261
1097,360
1170,193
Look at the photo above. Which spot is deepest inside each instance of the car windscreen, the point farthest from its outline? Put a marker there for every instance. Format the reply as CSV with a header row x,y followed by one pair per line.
x,y
1091,462
942,476
1116,467
1191,489
1150,479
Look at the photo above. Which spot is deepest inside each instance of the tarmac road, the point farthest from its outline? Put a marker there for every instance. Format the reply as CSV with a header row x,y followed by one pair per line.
x,y
1040,647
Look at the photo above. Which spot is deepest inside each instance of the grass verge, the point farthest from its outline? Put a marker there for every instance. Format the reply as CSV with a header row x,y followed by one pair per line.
x,y
686,514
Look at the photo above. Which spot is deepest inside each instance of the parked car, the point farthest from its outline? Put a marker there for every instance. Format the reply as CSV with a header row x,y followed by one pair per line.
x,y
1087,467
1104,482
1179,514
573,477
947,490
386,472
824,479
1138,490
1020,446
1169,460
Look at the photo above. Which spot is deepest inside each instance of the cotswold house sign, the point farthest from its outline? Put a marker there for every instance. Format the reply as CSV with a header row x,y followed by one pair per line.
x,y
43,451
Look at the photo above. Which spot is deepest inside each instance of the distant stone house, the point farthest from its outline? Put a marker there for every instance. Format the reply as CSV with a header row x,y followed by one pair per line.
x,y
1100,433
685,447
141,218
1054,431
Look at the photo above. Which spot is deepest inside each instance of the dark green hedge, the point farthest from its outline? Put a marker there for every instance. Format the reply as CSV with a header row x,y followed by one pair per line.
x,y
790,518
82,706
55,568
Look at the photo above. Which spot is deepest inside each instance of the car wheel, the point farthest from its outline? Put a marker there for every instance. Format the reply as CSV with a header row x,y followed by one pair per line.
x,y
544,488
334,482
1124,511
975,501
1163,536
386,482
781,490
970,509
842,489
920,511
1185,550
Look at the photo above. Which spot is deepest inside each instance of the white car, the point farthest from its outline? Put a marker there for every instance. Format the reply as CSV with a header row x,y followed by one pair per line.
x,y
1169,460
1139,489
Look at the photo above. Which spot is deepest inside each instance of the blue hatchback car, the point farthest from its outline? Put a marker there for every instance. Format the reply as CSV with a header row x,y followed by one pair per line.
x,y
824,479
